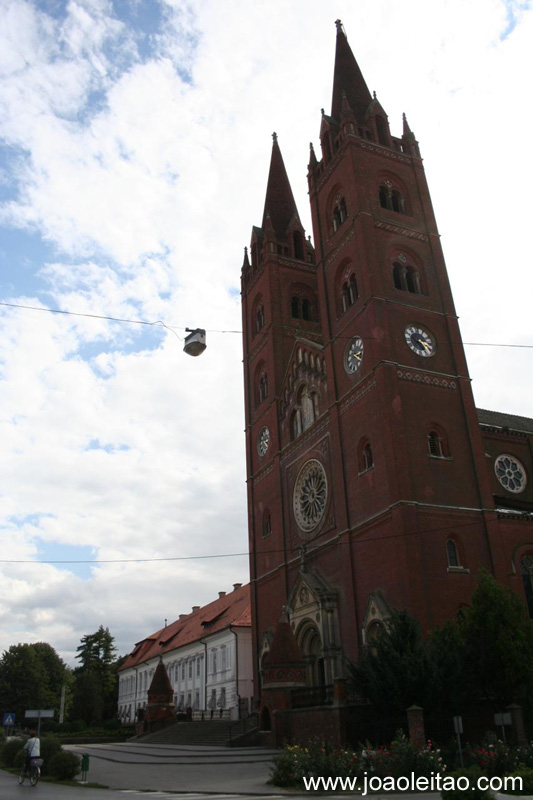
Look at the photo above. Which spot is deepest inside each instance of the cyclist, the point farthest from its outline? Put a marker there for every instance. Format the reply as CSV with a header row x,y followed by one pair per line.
x,y
32,749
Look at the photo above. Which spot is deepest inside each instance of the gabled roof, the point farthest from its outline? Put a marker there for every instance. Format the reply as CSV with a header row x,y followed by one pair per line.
x,y
497,419
232,609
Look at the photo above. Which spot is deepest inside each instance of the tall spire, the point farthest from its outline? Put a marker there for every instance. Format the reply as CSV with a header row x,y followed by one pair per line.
x,y
348,78
280,207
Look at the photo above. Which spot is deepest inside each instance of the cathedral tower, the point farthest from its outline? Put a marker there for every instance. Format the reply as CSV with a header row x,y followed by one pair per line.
x,y
368,487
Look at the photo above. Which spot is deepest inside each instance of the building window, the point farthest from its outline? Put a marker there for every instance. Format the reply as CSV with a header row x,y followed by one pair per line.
x,y
198,667
306,411
405,278
183,671
339,214
366,456
214,661
259,317
263,387
296,423
267,524
190,668
302,308
349,293
510,473
452,553
391,198
437,444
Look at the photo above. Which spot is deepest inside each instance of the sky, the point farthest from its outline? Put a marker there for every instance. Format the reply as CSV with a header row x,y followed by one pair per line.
x,y
135,140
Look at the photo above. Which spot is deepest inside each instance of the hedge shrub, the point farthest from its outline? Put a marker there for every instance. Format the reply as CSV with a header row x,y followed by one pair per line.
x,y
64,766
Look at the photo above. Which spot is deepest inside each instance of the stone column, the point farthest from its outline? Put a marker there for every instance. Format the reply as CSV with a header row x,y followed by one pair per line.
x,y
517,723
415,722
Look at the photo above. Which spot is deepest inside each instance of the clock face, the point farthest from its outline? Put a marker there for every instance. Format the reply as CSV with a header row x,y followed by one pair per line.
x,y
263,441
353,358
420,341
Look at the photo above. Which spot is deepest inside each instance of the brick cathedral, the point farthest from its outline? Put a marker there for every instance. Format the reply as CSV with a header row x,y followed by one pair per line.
x,y
374,482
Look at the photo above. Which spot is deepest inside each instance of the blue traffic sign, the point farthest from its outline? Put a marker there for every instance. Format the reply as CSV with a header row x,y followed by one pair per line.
x,y
9,720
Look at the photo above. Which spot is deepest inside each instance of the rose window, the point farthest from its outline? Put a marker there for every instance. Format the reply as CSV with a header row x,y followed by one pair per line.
x,y
510,473
310,496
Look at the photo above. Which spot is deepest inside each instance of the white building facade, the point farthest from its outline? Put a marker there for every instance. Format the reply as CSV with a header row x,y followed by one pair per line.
x,y
208,657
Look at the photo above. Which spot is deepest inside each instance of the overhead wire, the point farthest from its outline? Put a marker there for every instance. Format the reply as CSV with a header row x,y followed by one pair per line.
x,y
267,551
292,329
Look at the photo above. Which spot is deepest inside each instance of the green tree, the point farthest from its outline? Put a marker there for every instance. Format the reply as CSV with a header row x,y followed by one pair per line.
x,y
31,677
392,672
498,639
96,679
450,689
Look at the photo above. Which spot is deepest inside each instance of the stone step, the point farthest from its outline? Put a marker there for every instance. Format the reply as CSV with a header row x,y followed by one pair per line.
x,y
208,732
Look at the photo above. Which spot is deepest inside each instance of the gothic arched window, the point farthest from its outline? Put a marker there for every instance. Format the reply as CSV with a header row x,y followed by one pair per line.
x,y
261,383
366,456
303,306
391,197
295,307
405,277
452,553
349,292
437,443
339,214
267,524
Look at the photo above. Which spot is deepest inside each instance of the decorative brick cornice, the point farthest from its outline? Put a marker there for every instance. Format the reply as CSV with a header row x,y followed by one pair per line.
x,y
357,393
257,346
520,516
410,234
381,151
501,434
263,474
302,442
427,380
342,244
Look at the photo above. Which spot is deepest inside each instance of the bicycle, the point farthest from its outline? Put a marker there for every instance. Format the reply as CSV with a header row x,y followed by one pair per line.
x,y
33,772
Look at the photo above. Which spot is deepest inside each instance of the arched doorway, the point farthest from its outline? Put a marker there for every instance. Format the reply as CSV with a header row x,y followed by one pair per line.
x,y
311,648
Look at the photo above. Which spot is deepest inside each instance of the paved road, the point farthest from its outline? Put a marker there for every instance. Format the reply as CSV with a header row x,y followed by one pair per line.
x,y
178,768
133,771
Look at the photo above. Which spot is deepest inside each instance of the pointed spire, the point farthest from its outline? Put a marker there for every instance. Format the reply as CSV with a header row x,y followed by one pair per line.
x,y
280,207
406,128
246,261
347,77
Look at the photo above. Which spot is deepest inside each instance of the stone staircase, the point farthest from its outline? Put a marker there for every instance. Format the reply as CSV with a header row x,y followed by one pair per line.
x,y
216,733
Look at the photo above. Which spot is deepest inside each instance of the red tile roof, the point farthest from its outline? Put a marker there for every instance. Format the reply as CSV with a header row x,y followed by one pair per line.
x,y
231,609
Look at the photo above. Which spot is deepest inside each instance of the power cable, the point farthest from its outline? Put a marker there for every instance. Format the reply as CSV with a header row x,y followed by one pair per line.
x,y
293,330
354,540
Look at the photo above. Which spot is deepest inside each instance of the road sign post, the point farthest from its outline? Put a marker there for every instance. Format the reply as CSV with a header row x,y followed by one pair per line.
x,y
8,722
39,715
